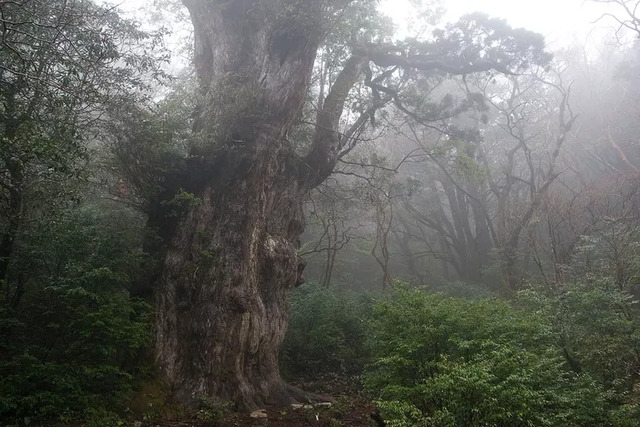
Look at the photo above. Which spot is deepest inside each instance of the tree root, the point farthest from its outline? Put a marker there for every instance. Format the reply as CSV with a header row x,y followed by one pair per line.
x,y
301,396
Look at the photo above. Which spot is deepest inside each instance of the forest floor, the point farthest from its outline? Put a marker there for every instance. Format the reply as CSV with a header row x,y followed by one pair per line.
x,y
351,408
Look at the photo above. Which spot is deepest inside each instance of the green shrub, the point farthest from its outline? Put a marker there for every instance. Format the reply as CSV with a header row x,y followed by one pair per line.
x,y
447,361
326,332
597,327
71,344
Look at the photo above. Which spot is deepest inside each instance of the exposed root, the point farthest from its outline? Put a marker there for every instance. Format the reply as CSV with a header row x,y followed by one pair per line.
x,y
281,395
301,396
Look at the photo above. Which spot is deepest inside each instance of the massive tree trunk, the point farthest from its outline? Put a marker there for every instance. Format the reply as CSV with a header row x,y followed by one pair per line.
x,y
230,260
222,302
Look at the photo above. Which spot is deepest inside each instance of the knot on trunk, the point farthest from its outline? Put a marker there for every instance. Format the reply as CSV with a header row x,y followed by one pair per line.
x,y
239,300
283,262
278,249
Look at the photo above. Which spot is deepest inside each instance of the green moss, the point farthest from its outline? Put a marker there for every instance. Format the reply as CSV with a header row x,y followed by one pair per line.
x,y
181,203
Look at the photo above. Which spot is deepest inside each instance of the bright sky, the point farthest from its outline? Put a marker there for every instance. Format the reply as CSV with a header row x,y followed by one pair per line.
x,y
560,21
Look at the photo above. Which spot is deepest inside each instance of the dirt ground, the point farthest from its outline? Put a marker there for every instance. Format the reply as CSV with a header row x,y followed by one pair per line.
x,y
344,412
351,408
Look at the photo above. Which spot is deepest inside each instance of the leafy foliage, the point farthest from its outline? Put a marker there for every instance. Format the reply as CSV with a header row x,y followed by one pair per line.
x,y
596,326
64,72
447,361
71,343
70,331
327,332
67,68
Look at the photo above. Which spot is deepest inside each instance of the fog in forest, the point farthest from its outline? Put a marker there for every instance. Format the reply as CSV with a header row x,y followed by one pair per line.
x,y
331,212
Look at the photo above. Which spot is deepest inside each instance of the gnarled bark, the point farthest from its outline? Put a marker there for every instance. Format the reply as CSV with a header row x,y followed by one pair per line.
x,y
231,261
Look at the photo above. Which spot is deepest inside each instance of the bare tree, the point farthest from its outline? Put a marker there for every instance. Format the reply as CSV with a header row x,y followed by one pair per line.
x,y
629,17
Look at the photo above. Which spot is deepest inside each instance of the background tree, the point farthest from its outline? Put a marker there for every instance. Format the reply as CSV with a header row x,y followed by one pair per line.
x,y
625,13
63,71
70,332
